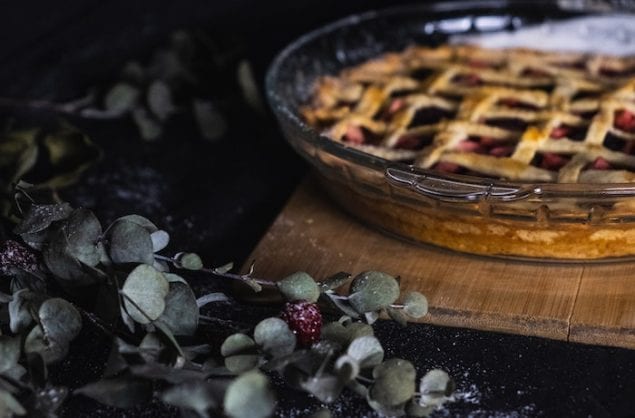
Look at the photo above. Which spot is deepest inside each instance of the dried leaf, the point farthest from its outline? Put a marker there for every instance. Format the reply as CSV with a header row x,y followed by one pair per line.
x,y
39,217
60,320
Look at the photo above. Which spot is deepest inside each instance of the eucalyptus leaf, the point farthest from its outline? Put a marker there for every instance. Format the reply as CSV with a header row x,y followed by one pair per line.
x,y
120,392
326,388
60,320
70,153
397,315
160,100
167,333
275,337
190,261
40,217
347,368
335,302
321,413
142,221
211,298
21,309
181,311
366,350
121,98
238,344
211,123
372,291
9,352
148,127
298,287
151,347
145,290
160,240
415,304
10,406
81,231
249,396
130,243
435,387
241,363
394,383
49,348
335,281
197,396
335,332
414,409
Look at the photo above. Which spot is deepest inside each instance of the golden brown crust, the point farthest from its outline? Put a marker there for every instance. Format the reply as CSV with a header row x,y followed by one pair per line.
x,y
569,112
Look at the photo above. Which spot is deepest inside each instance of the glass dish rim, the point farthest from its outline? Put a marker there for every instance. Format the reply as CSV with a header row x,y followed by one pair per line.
x,y
283,108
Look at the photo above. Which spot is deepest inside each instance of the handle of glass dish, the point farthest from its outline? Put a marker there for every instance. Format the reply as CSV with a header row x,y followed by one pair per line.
x,y
448,190
598,5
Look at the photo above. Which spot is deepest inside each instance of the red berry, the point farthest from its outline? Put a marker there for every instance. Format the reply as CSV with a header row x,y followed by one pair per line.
x,y
560,132
305,320
15,255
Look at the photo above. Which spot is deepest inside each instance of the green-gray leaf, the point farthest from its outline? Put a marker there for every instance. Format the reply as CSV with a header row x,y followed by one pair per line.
x,y
325,388
121,98
299,286
367,350
181,311
372,291
9,352
39,217
275,337
241,363
24,302
435,388
415,304
160,240
237,344
81,231
60,320
190,261
50,349
335,281
199,396
130,243
120,392
394,382
160,100
249,396
9,405
146,288
149,129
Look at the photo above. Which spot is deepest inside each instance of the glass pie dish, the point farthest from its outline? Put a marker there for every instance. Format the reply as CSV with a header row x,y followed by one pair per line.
x,y
485,216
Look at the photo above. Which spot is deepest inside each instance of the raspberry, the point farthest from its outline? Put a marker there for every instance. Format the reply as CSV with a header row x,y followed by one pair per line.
x,y
305,320
15,255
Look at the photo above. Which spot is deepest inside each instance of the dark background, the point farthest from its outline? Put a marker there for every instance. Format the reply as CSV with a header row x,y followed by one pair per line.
x,y
218,198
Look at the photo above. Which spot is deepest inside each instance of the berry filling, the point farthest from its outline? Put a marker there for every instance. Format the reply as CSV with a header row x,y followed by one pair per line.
x,y
412,142
516,104
358,135
511,124
625,121
485,145
550,161
468,80
446,167
601,164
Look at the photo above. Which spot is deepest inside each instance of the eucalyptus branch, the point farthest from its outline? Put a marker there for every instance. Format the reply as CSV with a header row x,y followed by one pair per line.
x,y
78,108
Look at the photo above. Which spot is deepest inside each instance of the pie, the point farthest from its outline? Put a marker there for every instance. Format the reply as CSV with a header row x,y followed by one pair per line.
x,y
519,115
512,114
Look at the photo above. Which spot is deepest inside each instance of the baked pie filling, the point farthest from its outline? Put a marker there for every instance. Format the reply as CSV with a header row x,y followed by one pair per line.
x,y
511,114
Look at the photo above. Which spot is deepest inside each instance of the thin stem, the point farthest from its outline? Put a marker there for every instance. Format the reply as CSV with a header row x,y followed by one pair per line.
x,y
77,107
137,307
242,277
364,379
397,306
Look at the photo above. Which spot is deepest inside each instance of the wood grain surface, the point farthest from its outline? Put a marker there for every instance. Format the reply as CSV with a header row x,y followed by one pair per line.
x,y
587,303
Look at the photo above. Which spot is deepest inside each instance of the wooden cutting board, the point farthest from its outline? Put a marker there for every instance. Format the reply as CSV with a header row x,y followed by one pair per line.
x,y
590,303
